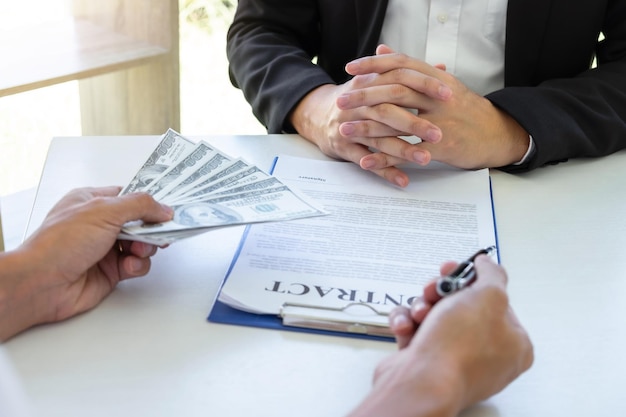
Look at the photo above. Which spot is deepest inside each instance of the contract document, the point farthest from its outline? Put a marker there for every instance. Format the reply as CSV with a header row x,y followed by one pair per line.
x,y
376,249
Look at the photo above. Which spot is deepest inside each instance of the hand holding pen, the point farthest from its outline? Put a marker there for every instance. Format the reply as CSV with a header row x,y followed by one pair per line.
x,y
462,276
464,347
453,277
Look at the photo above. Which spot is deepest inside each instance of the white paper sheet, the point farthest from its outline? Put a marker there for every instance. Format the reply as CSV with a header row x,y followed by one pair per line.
x,y
379,245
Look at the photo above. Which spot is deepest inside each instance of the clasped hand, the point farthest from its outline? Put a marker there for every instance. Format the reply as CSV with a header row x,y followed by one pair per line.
x,y
392,95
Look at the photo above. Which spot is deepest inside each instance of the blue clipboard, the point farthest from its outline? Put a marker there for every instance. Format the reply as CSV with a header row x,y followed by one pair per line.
x,y
224,314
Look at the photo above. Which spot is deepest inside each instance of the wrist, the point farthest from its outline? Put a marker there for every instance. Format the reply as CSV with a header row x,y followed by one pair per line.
x,y
417,390
18,307
307,114
516,140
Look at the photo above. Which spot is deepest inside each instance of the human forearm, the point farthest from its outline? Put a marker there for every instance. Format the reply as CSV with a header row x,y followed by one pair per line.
x,y
582,116
416,389
270,46
274,86
19,296
513,139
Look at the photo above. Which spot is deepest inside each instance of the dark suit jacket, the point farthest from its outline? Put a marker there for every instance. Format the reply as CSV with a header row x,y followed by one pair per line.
x,y
570,110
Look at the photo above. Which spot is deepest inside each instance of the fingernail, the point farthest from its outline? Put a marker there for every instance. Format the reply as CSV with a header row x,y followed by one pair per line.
x,y
401,181
399,321
343,100
433,135
417,306
368,163
136,265
347,129
352,67
419,157
167,210
484,258
445,92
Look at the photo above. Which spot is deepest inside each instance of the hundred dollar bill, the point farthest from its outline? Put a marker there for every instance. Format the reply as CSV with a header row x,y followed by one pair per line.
x,y
196,157
163,239
269,182
236,182
223,186
213,163
204,182
172,147
273,204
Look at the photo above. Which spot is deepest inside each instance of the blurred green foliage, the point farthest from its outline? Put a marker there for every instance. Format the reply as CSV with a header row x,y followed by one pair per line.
x,y
208,15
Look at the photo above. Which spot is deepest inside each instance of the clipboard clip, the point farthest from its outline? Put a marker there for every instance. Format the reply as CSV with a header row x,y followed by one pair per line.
x,y
357,318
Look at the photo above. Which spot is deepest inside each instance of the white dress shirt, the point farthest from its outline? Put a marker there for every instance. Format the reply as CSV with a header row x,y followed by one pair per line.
x,y
467,36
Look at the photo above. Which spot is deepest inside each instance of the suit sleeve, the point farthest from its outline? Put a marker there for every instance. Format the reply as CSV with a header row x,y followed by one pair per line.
x,y
270,47
579,116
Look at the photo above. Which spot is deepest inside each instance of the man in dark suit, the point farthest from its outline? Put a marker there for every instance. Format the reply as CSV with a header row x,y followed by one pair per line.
x,y
552,105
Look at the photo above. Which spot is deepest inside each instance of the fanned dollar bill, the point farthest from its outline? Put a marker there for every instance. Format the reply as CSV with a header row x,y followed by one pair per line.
x,y
207,190
180,169
170,150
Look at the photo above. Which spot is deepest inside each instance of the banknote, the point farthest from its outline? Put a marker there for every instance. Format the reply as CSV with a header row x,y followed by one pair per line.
x,y
206,184
264,184
203,178
271,204
214,163
185,165
170,150
163,239
224,185
207,189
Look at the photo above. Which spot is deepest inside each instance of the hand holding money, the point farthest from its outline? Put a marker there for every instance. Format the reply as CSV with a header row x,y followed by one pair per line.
x,y
208,189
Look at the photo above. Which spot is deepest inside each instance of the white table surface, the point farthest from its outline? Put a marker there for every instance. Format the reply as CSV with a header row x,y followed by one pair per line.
x,y
148,349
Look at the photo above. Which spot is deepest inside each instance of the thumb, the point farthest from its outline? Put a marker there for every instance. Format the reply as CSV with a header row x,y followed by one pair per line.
x,y
140,206
489,273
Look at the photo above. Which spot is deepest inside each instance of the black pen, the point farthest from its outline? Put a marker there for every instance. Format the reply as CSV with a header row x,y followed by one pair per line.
x,y
462,276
